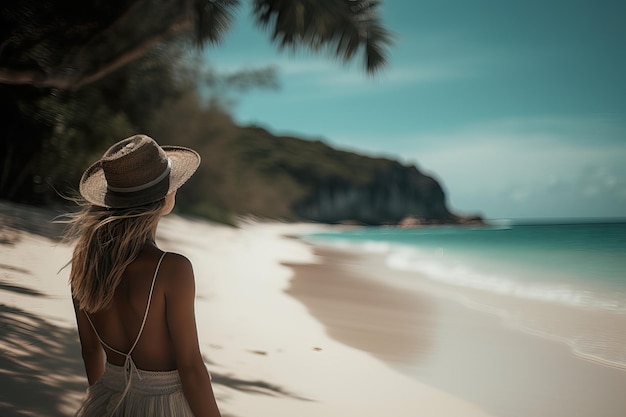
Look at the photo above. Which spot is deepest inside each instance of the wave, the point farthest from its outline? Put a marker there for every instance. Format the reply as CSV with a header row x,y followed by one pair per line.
x,y
434,266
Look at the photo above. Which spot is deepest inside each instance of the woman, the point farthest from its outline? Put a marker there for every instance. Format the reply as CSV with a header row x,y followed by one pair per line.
x,y
134,302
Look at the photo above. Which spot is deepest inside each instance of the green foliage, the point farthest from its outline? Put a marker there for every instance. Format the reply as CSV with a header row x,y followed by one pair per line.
x,y
287,171
68,44
310,162
52,135
245,170
343,28
107,70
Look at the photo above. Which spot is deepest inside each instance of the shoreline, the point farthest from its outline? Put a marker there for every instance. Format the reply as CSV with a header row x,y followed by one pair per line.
x,y
534,302
469,353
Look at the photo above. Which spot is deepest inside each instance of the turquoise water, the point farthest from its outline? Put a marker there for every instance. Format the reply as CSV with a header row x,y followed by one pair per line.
x,y
580,264
565,283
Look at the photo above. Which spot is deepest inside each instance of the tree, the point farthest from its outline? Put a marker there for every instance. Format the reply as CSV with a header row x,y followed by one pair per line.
x,y
50,135
67,44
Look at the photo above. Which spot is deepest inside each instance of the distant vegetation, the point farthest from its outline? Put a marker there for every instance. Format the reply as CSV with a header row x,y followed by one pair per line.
x,y
53,135
52,130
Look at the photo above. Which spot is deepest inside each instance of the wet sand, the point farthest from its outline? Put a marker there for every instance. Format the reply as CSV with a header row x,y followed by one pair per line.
x,y
438,340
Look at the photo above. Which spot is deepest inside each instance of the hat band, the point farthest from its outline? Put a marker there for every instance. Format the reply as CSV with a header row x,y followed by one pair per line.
x,y
145,186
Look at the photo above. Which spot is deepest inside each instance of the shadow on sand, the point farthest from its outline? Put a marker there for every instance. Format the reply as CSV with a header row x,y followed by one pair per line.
x,y
253,387
41,370
40,365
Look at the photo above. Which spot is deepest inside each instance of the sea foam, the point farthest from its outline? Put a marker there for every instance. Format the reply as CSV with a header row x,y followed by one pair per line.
x,y
432,264
437,265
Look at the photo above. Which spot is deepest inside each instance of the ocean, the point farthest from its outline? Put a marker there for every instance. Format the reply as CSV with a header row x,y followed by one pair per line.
x,y
553,280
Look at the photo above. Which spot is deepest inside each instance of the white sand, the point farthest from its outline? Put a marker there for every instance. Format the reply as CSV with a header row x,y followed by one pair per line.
x,y
267,355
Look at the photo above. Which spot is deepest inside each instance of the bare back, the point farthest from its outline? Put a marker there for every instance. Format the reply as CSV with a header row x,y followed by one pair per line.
x,y
119,325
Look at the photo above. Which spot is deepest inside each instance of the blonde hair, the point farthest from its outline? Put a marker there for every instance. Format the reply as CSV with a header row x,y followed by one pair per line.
x,y
107,241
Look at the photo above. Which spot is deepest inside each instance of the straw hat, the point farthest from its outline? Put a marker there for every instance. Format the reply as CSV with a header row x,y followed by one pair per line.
x,y
137,171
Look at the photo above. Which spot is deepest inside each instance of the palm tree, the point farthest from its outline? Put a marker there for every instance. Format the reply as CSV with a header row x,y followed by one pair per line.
x,y
66,44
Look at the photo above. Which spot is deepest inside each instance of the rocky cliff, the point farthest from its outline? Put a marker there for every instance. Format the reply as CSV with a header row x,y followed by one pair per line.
x,y
310,180
394,194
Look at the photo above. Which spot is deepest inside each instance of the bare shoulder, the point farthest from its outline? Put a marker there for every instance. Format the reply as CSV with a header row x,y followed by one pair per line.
x,y
176,271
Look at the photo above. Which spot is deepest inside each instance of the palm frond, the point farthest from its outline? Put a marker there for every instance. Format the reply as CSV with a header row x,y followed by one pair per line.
x,y
345,27
213,19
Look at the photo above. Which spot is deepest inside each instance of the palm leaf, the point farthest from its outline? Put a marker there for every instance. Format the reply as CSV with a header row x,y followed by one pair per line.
x,y
42,44
345,27
213,19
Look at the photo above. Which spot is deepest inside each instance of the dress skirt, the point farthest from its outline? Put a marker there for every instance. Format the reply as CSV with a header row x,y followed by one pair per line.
x,y
148,393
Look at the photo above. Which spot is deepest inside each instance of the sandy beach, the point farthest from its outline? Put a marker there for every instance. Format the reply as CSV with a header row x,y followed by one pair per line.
x,y
288,329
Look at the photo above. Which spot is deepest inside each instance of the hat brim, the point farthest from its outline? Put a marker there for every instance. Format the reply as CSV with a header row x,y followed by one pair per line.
x,y
93,185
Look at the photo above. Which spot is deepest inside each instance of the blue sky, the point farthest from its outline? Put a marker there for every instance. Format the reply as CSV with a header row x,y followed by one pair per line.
x,y
517,108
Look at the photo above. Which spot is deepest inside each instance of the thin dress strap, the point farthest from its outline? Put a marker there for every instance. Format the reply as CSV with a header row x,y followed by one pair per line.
x,y
129,364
